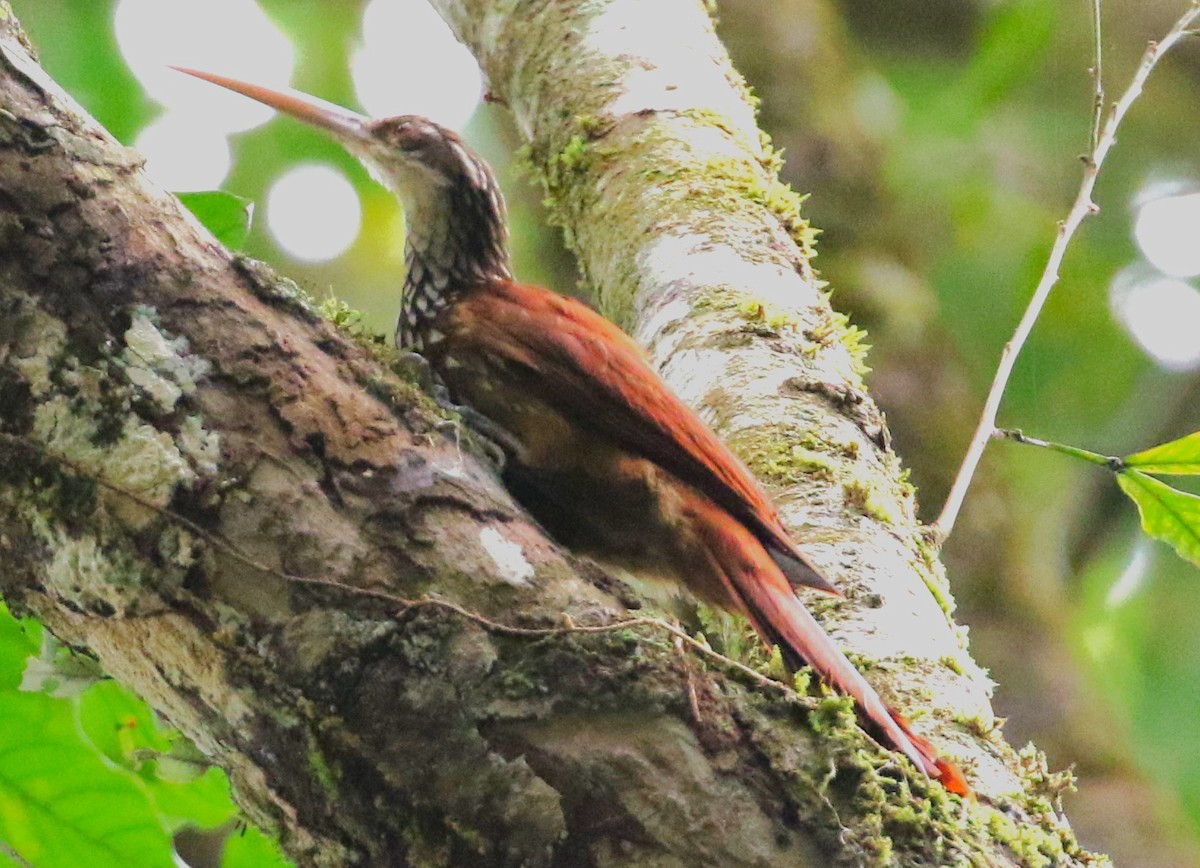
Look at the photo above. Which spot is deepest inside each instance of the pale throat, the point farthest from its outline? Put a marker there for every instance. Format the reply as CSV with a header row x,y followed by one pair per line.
x,y
455,240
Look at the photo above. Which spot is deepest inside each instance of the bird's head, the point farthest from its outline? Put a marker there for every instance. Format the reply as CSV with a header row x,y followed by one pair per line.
x,y
413,156
415,150
452,204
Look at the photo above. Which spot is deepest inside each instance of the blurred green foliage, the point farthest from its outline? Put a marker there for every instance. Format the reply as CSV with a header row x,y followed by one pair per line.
x,y
975,177
226,216
76,43
89,775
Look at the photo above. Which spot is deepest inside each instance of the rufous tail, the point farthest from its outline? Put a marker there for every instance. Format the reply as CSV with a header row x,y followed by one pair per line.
x,y
759,589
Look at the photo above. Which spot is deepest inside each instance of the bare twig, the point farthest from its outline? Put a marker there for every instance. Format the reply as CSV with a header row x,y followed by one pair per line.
x,y
1097,80
1083,207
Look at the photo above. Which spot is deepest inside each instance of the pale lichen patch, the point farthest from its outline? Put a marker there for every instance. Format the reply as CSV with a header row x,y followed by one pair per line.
x,y
82,571
82,412
141,460
180,547
159,365
199,444
513,567
40,340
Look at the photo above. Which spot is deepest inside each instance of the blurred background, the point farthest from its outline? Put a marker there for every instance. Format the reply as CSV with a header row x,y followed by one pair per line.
x,y
940,143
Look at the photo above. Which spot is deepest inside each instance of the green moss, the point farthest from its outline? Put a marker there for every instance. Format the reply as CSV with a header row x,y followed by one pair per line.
x,y
834,713
777,456
1030,846
774,318
574,157
1044,788
932,573
338,312
750,180
324,775
853,339
672,185
349,322
705,117
591,126
863,494
798,462
803,680
837,327
735,638
900,817
952,664
759,315
759,180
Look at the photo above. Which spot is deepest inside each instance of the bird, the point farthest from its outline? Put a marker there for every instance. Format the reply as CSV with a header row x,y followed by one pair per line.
x,y
595,445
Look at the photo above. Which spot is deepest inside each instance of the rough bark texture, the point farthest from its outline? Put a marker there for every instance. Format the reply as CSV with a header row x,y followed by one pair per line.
x,y
182,442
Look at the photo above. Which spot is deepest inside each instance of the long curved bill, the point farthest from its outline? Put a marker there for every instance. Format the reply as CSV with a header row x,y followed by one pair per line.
x,y
343,123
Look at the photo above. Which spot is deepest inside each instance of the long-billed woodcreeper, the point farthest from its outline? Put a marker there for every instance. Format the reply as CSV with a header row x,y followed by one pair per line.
x,y
597,447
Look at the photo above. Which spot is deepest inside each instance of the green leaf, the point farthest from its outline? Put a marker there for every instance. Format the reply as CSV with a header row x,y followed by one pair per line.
x,y
120,725
59,671
19,640
126,731
1179,457
60,804
224,215
137,777
1168,514
204,801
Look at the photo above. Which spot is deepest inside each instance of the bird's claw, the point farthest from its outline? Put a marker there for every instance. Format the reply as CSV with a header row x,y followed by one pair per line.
x,y
496,442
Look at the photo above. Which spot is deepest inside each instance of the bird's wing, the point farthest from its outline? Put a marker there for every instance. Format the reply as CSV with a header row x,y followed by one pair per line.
x,y
594,374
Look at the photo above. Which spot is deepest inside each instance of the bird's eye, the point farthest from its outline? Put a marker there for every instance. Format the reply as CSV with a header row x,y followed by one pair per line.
x,y
407,138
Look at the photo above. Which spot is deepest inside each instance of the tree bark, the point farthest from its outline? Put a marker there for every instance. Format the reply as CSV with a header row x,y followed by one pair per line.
x,y
228,502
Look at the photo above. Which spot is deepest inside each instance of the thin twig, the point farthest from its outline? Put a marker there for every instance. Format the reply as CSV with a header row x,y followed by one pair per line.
x,y
1097,80
1016,435
1083,207
14,855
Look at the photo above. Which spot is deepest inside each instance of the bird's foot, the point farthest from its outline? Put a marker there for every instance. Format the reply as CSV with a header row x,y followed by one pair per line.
x,y
416,367
495,442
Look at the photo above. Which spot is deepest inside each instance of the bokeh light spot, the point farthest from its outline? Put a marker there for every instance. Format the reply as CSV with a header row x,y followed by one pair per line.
x,y
313,212
232,37
393,82
183,153
1161,313
1167,230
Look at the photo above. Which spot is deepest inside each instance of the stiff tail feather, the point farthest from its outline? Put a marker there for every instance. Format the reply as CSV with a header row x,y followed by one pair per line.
x,y
760,590
950,775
